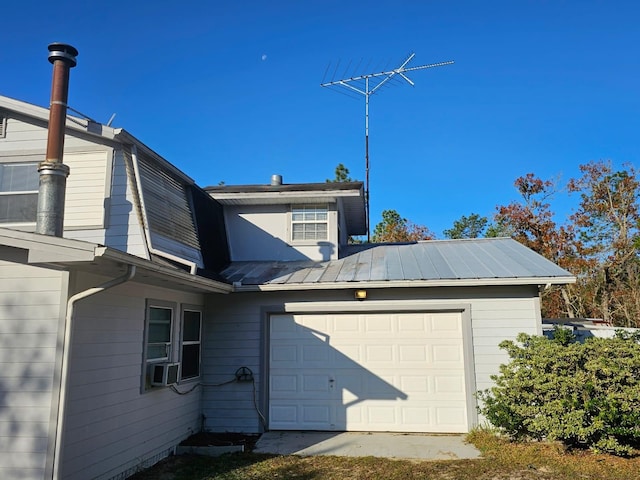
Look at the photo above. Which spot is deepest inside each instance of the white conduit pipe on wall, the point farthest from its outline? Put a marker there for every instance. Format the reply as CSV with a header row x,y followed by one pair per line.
x,y
66,355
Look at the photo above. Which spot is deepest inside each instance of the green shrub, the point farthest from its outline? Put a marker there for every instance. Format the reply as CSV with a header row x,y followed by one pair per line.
x,y
557,389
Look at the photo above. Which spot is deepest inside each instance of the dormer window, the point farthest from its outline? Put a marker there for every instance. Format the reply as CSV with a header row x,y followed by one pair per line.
x,y
309,222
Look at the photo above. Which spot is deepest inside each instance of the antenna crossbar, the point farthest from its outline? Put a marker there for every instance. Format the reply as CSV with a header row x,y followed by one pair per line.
x,y
371,85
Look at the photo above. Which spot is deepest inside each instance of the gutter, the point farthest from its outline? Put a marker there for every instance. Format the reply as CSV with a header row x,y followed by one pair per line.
x,y
66,355
180,276
475,282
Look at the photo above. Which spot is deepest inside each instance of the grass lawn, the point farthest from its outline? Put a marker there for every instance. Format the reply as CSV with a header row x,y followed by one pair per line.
x,y
502,460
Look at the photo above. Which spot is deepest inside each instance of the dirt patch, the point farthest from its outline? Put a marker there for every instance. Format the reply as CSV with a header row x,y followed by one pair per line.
x,y
220,439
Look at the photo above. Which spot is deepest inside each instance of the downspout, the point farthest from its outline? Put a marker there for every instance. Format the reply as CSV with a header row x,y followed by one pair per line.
x,y
66,355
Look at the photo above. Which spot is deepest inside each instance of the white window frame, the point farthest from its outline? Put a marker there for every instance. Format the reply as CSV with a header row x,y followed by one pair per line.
x,y
183,342
308,209
170,346
13,193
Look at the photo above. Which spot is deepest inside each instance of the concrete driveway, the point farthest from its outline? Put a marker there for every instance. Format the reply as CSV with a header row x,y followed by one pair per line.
x,y
356,444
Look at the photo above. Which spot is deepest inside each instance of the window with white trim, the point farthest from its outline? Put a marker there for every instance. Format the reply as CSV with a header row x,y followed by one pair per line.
x,y
172,337
191,336
159,332
309,222
19,184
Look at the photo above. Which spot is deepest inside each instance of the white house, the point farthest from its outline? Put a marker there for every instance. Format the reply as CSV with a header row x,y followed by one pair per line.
x,y
165,309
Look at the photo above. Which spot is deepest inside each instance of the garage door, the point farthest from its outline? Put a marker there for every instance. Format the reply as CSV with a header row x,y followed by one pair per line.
x,y
367,372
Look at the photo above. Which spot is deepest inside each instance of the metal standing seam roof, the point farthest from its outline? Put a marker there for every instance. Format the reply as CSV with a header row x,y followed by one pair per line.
x,y
472,262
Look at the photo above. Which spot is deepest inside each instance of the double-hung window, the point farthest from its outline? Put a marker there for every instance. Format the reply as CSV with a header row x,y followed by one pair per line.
x,y
191,334
309,222
18,192
172,338
159,333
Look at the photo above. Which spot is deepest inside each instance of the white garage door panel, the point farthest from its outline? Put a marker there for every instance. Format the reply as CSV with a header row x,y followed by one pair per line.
x,y
372,372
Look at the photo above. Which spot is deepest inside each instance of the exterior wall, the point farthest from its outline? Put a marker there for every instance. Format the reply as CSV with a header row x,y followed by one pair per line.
x,y
31,320
342,236
124,226
88,183
112,428
262,232
32,135
234,335
99,203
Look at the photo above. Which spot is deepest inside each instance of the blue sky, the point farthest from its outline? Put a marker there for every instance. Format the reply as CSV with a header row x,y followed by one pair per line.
x,y
230,90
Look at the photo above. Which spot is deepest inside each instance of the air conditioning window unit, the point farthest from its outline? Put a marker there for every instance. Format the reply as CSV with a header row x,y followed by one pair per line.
x,y
164,374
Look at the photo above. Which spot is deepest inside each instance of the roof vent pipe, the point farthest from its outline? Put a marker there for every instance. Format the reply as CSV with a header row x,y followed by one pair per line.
x,y
276,180
53,173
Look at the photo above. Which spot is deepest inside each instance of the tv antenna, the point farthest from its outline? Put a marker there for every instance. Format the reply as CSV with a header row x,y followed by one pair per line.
x,y
367,85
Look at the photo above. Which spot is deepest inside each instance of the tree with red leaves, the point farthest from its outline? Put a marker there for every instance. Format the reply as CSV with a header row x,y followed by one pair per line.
x,y
598,243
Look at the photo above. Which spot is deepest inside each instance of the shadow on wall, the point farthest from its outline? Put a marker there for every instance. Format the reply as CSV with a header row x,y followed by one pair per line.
x,y
315,386
118,208
249,242
28,340
326,249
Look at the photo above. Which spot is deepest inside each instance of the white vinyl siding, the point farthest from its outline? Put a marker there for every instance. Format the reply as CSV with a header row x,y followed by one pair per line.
x,y
85,195
88,185
30,323
309,222
89,162
113,428
235,335
31,135
263,233
3,126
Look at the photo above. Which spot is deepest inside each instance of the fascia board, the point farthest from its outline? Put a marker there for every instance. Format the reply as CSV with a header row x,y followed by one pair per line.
x,y
408,284
269,197
125,137
43,249
162,271
46,249
78,124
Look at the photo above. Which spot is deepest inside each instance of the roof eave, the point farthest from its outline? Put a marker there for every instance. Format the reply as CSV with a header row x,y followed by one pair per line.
x,y
78,124
473,282
127,138
173,274
268,197
67,253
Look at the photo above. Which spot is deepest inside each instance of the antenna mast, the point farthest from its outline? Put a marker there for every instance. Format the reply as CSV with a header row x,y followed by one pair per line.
x,y
372,83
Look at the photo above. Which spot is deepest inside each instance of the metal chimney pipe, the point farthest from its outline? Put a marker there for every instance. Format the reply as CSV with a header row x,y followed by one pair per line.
x,y
53,173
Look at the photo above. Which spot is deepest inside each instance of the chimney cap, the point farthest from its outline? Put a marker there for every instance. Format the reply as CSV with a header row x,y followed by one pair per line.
x,y
63,51
276,180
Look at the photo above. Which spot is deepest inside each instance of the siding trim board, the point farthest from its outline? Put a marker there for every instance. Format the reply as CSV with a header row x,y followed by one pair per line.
x,y
270,287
